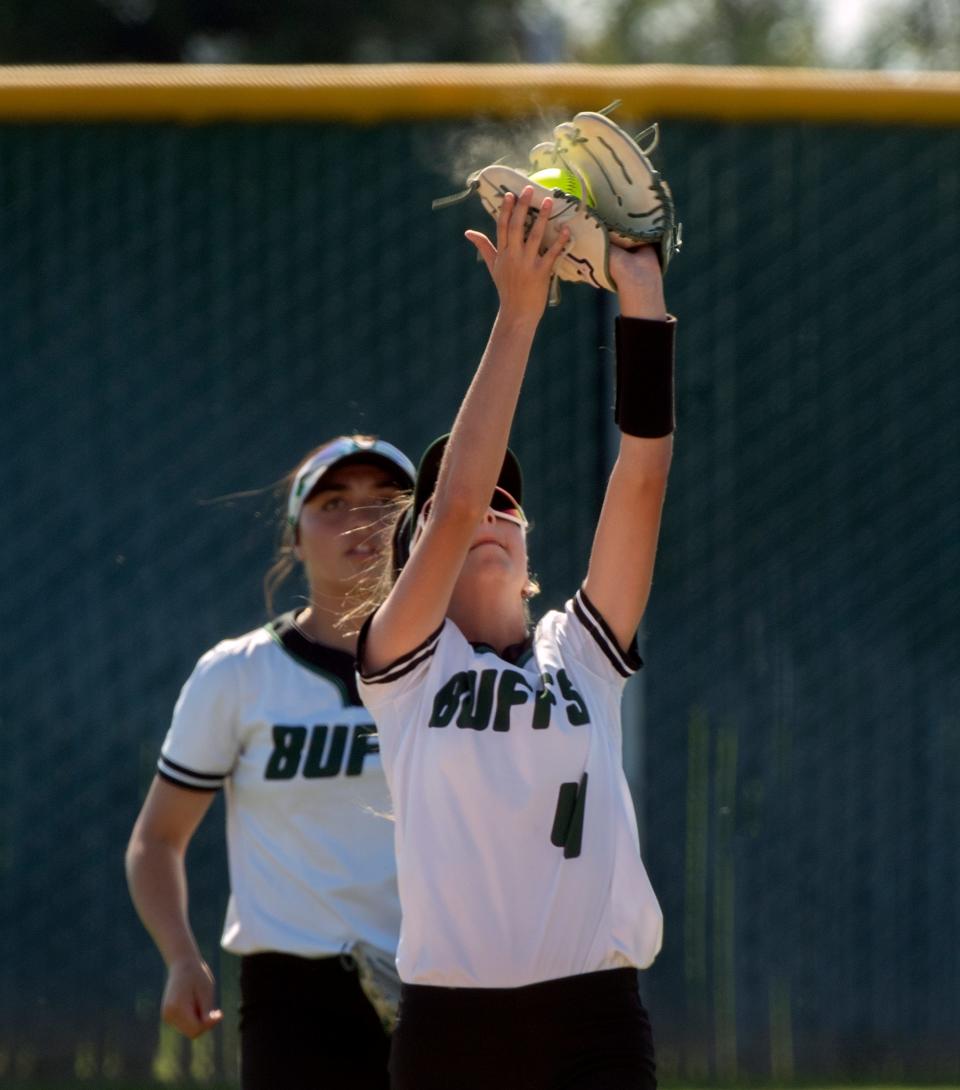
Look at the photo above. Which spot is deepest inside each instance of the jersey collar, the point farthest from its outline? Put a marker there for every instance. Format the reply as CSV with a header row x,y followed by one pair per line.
x,y
514,653
339,666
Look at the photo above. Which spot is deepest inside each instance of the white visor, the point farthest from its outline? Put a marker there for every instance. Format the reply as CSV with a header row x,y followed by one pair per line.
x,y
346,447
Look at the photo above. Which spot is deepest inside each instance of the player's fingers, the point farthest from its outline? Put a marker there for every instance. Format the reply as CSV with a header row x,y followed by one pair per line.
x,y
503,220
485,248
537,231
557,248
204,1010
191,1021
209,1018
183,1018
518,220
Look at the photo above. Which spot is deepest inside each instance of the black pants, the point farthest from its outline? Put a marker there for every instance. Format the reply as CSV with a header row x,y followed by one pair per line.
x,y
305,1024
587,1032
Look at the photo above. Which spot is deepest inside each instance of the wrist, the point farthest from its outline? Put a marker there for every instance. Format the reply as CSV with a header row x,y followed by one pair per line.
x,y
182,957
516,321
643,300
639,282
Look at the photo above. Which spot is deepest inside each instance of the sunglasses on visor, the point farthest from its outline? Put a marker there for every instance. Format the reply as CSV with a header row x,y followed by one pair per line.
x,y
502,504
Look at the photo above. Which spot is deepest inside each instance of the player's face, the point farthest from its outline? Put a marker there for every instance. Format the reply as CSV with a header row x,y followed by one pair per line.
x,y
497,558
343,525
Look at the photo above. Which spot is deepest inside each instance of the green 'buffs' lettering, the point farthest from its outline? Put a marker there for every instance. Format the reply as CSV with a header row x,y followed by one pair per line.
x,y
323,759
475,711
513,690
545,700
287,748
577,712
315,767
476,700
446,703
364,741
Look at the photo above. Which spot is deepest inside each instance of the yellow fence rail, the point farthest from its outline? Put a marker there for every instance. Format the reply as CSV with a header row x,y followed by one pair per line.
x,y
380,93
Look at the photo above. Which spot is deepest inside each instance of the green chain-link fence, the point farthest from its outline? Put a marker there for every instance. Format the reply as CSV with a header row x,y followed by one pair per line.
x,y
185,310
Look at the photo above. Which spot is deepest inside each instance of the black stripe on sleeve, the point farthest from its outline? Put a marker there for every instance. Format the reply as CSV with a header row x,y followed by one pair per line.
x,y
626,663
216,777
601,643
187,786
186,777
381,679
403,665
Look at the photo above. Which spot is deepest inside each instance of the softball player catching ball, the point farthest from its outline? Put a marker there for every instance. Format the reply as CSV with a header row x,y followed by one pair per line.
x,y
274,718
526,907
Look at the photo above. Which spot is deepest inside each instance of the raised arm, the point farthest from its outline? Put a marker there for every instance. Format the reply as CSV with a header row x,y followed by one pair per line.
x,y
418,602
624,546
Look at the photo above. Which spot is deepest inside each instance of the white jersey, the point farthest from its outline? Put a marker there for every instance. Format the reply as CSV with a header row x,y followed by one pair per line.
x,y
517,847
275,719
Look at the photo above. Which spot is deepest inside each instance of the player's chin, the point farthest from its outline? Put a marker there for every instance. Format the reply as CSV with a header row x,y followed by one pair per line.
x,y
488,547
489,565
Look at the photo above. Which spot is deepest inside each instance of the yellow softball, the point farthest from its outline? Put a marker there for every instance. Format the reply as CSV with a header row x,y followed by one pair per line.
x,y
564,180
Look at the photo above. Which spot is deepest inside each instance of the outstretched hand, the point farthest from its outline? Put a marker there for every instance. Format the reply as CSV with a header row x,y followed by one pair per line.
x,y
518,268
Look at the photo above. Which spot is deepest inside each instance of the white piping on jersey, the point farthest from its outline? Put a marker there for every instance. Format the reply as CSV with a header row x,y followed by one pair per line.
x,y
403,665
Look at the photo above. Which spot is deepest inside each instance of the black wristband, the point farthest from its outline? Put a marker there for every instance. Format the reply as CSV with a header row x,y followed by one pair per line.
x,y
645,401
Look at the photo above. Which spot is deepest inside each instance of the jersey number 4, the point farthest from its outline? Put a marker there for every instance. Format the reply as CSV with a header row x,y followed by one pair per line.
x,y
567,830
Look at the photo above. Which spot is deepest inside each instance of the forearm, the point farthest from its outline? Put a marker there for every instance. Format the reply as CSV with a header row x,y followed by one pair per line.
x,y
157,881
621,563
624,548
645,346
480,433
521,269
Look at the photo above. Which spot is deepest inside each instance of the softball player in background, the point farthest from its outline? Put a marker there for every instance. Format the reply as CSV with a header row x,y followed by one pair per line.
x,y
274,718
526,906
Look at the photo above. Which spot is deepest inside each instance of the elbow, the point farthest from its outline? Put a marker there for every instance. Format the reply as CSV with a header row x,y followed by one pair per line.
x,y
136,850
131,857
141,849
